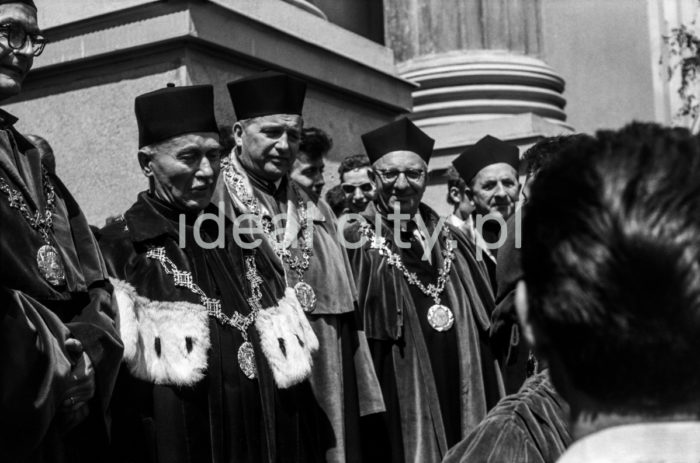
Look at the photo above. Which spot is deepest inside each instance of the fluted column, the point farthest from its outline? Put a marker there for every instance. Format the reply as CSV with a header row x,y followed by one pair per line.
x,y
478,69
473,59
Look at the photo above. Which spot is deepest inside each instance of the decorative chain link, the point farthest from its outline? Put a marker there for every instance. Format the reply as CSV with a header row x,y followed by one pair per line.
x,y
299,265
183,279
394,260
43,223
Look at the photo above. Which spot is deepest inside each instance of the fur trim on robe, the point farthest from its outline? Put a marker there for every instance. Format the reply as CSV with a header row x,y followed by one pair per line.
x,y
164,342
287,340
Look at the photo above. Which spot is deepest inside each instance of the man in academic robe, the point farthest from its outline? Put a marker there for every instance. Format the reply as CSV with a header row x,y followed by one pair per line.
x,y
424,301
215,367
60,348
297,241
490,170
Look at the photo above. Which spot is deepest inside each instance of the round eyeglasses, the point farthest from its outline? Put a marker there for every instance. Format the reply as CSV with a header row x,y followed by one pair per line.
x,y
17,38
392,175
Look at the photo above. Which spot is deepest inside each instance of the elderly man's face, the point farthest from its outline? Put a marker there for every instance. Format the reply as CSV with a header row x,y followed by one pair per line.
x,y
184,169
358,189
308,173
269,144
495,189
400,178
14,65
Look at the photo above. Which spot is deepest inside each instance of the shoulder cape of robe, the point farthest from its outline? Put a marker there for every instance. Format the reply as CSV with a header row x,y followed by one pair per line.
x,y
37,318
391,325
225,417
343,379
530,426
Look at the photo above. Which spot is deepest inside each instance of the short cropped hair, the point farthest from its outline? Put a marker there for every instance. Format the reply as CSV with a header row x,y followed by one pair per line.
x,y
315,143
352,162
541,153
611,258
454,180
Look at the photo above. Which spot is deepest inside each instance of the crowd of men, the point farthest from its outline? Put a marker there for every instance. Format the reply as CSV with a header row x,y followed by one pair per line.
x,y
232,314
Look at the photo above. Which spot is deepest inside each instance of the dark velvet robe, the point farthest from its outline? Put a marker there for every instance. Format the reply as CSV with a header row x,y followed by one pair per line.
x,y
226,417
437,386
530,426
342,378
37,318
508,343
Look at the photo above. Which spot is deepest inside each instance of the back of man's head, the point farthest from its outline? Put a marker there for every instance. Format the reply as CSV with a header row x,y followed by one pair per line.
x,y
454,180
539,155
611,256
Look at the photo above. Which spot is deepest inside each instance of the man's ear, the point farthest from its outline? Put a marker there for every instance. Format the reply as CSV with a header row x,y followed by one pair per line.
x,y
145,163
238,135
455,195
522,308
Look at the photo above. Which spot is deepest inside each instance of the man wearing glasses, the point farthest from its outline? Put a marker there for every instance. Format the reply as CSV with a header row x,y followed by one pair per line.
x,y
354,181
60,350
424,302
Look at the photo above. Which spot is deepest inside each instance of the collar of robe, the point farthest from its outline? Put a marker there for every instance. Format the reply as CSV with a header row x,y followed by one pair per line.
x,y
155,218
271,188
429,216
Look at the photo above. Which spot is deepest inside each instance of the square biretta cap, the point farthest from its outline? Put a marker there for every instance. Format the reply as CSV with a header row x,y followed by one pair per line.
x,y
172,111
400,135
489,150
267,93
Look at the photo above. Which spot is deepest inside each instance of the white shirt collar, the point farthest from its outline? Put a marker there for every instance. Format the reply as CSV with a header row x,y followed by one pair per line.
x,y
667,442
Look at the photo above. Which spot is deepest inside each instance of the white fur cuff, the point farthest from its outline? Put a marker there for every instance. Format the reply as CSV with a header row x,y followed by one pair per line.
x,y
164,342
287,340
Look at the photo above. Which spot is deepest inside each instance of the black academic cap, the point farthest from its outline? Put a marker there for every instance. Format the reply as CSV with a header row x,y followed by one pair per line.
x,y
172,111
489,150
267,93
400,135
26,2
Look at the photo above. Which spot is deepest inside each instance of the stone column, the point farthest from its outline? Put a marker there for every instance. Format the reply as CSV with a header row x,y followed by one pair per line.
x,y
478,71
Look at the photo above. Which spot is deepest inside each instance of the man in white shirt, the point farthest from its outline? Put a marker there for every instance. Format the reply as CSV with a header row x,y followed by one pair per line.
x,y
611,292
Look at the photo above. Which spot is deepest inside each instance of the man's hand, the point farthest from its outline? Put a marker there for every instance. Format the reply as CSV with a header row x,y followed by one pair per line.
x,y
81,386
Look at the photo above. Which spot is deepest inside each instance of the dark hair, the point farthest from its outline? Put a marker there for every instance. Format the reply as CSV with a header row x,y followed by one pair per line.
x,y
352,162
611,257
315,143
541,153
226,138
336,200
454,180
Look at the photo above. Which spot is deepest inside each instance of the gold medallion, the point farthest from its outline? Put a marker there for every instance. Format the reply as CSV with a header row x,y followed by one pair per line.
x,y
306,296
51,265
246,360
440,317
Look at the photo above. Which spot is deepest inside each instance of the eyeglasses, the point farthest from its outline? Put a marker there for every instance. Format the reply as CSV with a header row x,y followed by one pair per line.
x,y
392,175
17,38
350,189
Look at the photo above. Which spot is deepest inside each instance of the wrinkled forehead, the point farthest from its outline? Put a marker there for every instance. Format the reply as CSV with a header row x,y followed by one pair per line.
x,y
287,121
20,14
194,140
498,171
400,160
